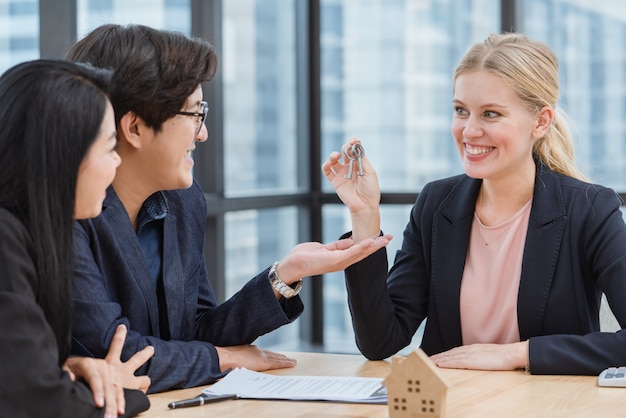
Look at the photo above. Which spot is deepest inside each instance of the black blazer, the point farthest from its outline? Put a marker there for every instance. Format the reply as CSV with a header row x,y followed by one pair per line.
x,y
33,385
575,250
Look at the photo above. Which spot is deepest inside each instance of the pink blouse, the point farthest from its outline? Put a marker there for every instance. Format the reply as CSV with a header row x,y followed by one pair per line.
x,y
491,279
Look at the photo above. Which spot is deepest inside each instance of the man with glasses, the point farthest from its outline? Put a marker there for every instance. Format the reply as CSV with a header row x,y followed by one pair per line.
x,y
141,262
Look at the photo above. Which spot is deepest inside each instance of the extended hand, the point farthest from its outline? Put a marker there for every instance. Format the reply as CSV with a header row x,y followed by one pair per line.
x,y
484,357
252,358
313,258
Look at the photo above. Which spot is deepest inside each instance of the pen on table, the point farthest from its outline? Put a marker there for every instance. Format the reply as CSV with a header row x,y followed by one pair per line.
x,y
200,400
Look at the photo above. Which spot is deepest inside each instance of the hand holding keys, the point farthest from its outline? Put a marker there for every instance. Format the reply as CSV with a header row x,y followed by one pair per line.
x,y
354,153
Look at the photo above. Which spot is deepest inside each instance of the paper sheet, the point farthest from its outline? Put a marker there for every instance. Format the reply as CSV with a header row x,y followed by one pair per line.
x,y
255,385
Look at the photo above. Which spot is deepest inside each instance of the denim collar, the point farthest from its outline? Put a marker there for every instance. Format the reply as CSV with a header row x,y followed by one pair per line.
x,y
154,208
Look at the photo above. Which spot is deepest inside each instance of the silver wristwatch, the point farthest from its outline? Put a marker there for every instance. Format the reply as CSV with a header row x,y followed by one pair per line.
x,y
281,287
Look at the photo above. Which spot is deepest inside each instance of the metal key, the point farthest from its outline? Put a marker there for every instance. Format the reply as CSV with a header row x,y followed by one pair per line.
x,y
358,151
354,153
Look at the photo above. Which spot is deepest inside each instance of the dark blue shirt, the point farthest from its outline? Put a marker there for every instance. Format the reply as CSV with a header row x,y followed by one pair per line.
x,y
150,232
150,237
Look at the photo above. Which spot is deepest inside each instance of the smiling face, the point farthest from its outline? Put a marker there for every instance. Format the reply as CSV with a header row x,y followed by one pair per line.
x,y
170,153
97,170
493,129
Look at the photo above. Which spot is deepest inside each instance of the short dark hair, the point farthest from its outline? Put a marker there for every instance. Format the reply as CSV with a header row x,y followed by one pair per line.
x,y
155,70
51,113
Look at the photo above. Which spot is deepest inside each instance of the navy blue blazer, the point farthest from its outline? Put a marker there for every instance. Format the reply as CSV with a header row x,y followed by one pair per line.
x,y
112,286
575,250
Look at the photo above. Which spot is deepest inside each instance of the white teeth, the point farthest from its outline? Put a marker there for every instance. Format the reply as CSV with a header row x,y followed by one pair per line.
x,y
477,150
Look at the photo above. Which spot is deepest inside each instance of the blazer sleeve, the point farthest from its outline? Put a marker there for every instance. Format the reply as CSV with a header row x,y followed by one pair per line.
x,y
251,312
33,385
387,307
596,246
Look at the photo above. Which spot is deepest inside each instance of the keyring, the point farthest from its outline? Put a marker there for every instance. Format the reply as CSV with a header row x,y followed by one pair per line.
x,y
358,152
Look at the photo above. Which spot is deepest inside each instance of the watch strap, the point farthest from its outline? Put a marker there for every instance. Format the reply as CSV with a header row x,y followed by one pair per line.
x,y
287,291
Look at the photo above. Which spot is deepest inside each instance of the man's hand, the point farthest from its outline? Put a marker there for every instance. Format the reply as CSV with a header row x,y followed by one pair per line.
x,y
127,370
252,358
313,258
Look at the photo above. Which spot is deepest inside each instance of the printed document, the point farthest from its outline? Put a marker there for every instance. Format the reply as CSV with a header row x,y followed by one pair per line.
x,y
255,385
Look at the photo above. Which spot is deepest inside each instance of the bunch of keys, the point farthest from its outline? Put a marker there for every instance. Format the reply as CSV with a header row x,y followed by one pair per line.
x,y
354,153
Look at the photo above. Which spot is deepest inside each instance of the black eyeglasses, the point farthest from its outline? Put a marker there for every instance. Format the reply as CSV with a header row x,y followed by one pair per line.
x,y
201,115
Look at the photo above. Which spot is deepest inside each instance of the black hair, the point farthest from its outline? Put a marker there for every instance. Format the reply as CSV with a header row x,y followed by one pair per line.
x,y
51,111
155,70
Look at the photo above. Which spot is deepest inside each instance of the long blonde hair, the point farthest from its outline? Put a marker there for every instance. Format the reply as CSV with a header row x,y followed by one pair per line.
x,y
531,69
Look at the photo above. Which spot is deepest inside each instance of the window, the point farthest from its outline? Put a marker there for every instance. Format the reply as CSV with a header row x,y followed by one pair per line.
x,y
587,37
258,66
387,79
254,240
19,32
161,14
259,71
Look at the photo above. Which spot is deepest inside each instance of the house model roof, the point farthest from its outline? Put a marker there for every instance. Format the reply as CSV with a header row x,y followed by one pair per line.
x,y
415,387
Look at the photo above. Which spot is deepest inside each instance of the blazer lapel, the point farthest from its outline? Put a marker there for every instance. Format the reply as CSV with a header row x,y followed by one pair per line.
x,y
545,231
451,231
133,258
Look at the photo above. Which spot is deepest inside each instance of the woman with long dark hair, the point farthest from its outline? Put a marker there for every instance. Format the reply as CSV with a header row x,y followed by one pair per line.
x,y
57,157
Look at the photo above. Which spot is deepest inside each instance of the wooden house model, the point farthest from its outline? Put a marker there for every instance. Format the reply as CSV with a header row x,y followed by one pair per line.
x,y
415,388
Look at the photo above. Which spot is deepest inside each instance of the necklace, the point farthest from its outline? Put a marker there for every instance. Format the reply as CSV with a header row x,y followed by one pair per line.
x,y
492,235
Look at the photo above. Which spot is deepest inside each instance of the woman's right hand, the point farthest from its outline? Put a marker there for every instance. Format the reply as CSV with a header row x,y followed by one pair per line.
x,y
104,381
361,194
107,378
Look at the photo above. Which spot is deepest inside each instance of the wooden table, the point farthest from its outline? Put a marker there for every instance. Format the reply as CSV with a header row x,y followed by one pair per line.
x,y
472,394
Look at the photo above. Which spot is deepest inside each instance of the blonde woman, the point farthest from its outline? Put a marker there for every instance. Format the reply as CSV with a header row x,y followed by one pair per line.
x,y
507,262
